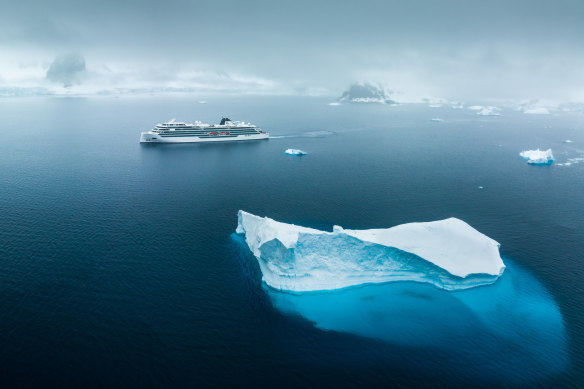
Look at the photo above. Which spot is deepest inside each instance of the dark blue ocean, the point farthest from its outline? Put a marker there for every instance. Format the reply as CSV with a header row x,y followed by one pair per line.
x,y
119,266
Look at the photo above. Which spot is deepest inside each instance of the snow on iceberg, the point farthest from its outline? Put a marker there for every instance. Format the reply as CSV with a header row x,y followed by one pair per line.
x,y
295,152
448,253
538,157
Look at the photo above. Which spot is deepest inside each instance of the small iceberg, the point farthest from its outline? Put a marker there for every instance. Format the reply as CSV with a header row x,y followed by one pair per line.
x,y
449,254
295,152
567,141
438,120
538,157
334,103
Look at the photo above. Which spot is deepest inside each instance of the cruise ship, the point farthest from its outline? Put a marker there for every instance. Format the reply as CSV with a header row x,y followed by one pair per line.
x,y
179,132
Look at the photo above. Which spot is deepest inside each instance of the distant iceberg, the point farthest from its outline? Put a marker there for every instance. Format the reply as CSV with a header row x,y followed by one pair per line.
x,y
489,111
448,253
436,120
538,157
295,152
365,93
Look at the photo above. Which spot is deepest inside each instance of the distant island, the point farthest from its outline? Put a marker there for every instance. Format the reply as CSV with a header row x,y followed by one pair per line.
x,y
365,93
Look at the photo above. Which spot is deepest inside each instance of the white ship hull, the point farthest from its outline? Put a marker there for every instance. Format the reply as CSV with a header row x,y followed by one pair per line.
x,y
152,137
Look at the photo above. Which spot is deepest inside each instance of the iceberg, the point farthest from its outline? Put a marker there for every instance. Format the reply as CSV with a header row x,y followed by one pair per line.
x,y
438,120
449,254
538,157
365,93
485,110
295,152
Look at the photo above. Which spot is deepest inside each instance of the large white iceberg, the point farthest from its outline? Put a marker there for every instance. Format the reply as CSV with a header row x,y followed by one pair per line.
x,y
538,157
448,253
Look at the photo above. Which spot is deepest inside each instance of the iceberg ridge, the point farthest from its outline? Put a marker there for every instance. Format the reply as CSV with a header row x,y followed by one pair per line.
x,y
449,254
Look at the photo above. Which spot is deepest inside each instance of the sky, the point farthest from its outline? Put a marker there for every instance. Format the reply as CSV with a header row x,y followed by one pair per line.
x,y
461,50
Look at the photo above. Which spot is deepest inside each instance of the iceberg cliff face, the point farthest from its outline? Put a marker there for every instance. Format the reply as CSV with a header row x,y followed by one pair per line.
x,y
449,254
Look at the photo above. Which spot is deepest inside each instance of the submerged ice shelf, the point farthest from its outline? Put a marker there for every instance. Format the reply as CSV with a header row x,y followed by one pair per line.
x,y
449,254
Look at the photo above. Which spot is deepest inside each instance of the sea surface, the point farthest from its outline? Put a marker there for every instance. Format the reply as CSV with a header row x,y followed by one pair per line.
x,y
120,266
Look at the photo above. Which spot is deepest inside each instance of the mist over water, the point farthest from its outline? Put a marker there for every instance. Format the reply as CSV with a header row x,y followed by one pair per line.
x,y
120,266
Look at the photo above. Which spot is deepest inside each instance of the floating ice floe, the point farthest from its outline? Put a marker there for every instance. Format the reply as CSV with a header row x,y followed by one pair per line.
x,y
449,254
295,152
436,120
567,141
334,103
572,161
538,157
